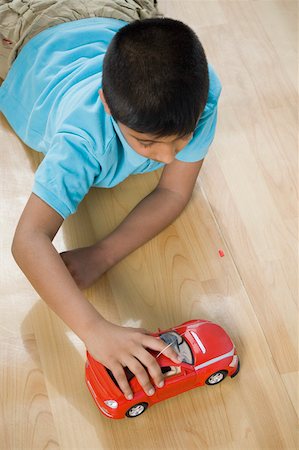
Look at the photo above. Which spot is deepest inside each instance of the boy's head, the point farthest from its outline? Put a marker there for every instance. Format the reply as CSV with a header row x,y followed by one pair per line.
x,y
155,85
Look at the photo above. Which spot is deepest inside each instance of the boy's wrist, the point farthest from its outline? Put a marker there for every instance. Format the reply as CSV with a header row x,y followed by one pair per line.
x,y
91,327
104,255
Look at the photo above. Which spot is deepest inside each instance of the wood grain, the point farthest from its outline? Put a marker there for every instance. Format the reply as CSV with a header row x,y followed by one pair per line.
x,y
245,203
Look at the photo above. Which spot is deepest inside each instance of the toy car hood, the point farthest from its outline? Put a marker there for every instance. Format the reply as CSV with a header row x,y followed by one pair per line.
x,y
207,341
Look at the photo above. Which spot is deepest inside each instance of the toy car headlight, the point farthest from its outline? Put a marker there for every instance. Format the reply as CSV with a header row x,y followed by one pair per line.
x,y
111,403
234,361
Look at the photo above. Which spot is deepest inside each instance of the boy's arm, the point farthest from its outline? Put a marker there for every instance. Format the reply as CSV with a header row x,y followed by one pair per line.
x,y
154,213
113,345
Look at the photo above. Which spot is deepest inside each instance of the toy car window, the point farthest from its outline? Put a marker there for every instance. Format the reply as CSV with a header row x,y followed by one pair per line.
x,y
128,374
179,344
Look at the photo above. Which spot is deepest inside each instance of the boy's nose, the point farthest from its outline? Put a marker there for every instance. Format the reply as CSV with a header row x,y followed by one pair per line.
x,y
166,157
166,160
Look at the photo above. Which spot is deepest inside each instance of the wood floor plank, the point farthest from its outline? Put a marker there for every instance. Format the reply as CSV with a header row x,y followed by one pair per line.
x,y
26,420
291,381
281,27
254,161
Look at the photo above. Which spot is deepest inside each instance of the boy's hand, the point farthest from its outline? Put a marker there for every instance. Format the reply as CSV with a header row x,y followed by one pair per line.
x,y
117,347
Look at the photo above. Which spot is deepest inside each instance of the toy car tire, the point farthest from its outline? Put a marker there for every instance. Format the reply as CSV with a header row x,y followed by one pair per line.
x,y
216,377
136,410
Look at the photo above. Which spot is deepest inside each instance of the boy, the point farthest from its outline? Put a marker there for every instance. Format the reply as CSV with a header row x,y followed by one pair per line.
x,y
155,106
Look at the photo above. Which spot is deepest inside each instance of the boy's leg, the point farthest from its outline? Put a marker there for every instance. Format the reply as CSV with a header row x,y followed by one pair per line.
x,y
8,35
20,20
17,26
5,50
128,10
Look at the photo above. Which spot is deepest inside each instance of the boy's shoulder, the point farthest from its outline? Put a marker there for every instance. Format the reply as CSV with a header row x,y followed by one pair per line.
x,y
215,87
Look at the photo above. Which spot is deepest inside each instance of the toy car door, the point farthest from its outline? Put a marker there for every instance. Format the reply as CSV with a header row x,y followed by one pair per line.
x,y
177,379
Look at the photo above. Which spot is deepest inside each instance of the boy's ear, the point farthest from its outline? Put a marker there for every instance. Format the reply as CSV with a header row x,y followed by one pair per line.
x,y
107,109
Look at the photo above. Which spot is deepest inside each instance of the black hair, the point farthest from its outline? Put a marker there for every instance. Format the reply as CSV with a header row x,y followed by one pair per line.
x,y
155,77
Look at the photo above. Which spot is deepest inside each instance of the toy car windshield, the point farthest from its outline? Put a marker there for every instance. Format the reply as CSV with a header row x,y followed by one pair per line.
x,y
179,344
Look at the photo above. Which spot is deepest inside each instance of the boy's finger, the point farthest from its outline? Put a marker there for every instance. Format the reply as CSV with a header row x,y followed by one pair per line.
x,y
156,343
137,367
122,381
152,366
171,353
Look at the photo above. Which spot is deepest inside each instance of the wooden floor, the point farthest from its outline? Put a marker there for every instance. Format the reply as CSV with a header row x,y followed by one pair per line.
x,y
244,203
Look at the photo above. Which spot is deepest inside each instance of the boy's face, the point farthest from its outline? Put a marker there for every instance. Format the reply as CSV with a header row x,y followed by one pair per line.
x,y
162,150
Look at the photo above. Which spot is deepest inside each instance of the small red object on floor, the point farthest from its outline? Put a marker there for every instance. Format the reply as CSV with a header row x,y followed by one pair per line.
x,y
221,253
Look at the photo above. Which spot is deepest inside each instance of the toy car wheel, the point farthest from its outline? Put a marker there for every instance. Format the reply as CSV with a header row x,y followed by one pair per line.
x,y
136,410
217,377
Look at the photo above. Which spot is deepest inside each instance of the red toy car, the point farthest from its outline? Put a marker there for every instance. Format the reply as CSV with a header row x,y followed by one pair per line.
x,y
208,355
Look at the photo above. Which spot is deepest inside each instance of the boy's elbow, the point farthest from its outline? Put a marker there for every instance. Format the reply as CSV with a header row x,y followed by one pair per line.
x,y
178,198
21,242
13,249
186,199
182,200
38,225
16,245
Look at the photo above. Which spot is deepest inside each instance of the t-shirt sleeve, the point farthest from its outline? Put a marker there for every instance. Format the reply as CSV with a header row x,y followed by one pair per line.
x,y
66,173
204,132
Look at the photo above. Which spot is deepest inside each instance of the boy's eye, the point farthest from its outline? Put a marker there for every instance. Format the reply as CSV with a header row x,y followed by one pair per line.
x,y
146,145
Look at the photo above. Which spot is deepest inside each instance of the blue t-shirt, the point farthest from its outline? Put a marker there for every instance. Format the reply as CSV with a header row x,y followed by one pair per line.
x,y
50,98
